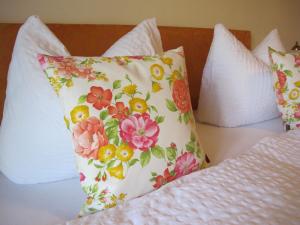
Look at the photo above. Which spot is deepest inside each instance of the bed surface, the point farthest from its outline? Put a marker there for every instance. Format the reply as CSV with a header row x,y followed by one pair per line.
x,y
52,203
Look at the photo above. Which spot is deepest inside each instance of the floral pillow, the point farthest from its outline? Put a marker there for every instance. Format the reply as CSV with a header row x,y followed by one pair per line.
x,y
132,122
286,70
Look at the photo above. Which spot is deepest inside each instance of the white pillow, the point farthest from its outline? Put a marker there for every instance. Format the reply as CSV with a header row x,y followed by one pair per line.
x,y
236,86
144,39
271,40
34,150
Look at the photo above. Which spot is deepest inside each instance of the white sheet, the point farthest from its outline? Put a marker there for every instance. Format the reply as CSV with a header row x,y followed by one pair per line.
x,y
225,143
261,186
58,202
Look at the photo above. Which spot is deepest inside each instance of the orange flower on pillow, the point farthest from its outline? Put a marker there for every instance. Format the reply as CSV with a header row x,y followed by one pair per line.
x,y
181,96
99,97
120,111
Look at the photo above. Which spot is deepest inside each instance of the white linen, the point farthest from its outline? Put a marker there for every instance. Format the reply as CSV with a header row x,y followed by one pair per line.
x,y
39,204
260,187
237,87
61,201
221,143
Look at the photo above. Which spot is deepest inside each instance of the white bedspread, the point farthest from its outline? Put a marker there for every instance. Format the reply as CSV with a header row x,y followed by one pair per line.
x,y
261,186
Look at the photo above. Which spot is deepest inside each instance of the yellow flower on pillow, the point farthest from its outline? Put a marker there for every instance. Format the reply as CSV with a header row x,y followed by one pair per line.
x,y
117,171
175,75
130,89
294,94
167,60
156,87
79,113
138,105
124,153
157,71
106,153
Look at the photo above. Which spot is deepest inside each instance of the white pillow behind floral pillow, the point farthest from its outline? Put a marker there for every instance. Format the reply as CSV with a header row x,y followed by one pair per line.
x,y
236,85
262,49
35,149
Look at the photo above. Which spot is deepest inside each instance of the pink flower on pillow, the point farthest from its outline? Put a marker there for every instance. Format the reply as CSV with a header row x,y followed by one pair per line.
x,y
42,60
88,136
185,164
139,131
297,113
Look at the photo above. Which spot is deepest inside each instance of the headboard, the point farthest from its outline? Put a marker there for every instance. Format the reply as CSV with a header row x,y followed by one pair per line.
x,y
93,40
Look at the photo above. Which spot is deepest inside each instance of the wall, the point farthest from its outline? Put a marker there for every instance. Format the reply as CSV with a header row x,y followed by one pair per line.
x,y
258,16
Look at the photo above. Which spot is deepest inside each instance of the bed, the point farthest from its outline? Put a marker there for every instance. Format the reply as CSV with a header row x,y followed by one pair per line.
x,y
44,204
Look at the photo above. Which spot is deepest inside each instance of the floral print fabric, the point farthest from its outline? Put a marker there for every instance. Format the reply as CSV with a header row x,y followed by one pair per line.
x,y
286,70
131,121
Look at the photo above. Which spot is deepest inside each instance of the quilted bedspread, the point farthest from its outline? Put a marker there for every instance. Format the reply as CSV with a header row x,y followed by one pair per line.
x,y
259,187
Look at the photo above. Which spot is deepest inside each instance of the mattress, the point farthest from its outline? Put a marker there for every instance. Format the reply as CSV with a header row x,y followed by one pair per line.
x,y
43,204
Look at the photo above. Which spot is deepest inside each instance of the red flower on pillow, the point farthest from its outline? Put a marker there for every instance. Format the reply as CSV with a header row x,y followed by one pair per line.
x,y
120,111
161,180
181,96
99,97
281,78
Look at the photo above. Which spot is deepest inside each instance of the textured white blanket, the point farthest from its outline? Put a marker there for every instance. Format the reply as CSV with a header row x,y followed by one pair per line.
x,y
259,187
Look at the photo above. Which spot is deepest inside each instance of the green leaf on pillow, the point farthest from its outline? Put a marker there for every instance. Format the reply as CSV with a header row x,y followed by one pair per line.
x,y
288,73
186,117
132,162
190,147
118,96
171,105
90,161
103,114
159,119
127,78
112,123
153,174
116,84
82,99
145,158
147,96
110,164
116,140
154,108
171,153
158,152
95,188
92,209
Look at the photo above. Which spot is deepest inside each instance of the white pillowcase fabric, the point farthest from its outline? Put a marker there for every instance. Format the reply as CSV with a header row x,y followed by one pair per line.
x,y
236,86
271,40
35,150
144,39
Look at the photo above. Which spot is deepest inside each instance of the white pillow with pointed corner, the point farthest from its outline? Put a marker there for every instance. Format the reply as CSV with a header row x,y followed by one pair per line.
x,y
144,39
35,150
236,86
271,40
